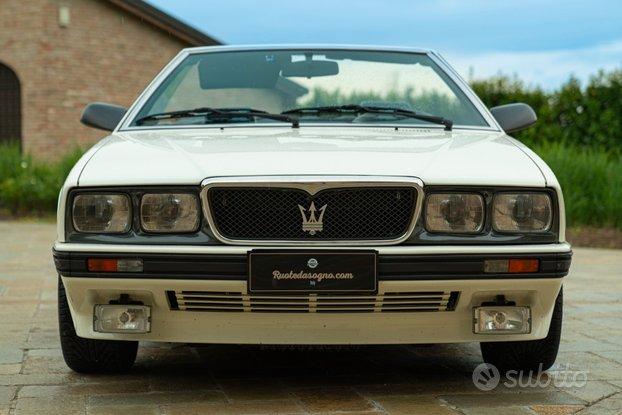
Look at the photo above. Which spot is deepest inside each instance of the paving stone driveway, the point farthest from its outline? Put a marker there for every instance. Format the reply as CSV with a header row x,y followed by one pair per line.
x,y
180,379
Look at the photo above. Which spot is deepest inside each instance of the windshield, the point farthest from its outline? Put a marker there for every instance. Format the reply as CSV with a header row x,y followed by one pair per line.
x,y
278,81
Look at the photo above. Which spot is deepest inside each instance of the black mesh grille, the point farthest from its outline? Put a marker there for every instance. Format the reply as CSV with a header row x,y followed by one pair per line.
x,y
356,213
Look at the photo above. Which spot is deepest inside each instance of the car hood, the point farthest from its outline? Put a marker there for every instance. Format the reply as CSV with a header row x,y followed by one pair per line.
x,y
187,156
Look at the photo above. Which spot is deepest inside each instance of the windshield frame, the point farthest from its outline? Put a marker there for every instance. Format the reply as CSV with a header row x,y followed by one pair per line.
x,y
127,123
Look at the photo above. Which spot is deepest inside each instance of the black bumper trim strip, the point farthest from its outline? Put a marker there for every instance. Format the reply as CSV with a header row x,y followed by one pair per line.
x,y
234,267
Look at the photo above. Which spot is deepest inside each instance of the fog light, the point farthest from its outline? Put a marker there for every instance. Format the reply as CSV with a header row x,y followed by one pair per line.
x,y
502,320
119,318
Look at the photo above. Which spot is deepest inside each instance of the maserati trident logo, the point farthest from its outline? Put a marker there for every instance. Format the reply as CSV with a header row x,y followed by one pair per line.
x,y
312,223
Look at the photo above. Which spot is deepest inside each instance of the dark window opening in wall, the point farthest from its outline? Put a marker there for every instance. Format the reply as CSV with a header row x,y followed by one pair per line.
x,y
10,106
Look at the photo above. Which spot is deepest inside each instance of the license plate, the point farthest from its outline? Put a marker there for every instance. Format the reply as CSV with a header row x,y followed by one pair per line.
x,y
312,271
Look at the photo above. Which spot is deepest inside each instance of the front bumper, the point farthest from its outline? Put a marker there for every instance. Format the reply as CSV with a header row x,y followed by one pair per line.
x,y
167,276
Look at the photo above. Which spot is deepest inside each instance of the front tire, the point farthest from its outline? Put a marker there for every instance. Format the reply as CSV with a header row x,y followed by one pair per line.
x,y
528,355
89,355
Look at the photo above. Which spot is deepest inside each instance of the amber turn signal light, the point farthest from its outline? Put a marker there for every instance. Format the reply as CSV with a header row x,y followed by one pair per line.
x,y
518,266
114,265
511,266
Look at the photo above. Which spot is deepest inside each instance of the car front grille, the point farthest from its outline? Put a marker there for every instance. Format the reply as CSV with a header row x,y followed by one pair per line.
x,y
405,302
291,214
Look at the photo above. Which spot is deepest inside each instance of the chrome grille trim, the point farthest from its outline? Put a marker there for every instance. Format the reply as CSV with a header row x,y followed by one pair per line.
x,y
210,301
312,185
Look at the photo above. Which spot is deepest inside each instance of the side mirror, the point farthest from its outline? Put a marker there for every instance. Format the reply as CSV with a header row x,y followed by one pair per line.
x,y
102,116
514,117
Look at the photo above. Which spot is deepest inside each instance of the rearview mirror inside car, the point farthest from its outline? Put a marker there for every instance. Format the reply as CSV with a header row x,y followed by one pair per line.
x,y
309,69
102,116
514,117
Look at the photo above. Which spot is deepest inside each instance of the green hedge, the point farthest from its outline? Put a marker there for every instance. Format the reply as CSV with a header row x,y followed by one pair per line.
x,y
29,187
589,116
591,179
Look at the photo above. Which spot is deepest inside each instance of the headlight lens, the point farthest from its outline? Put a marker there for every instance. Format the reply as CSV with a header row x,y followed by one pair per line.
x,y
454,212
169,212
99,213
522,212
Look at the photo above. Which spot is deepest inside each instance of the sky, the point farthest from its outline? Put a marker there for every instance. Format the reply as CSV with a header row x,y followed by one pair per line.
x,y
542,42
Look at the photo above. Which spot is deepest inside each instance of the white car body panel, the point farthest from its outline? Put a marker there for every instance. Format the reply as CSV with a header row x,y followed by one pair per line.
x,y
191,155
188,156
310,328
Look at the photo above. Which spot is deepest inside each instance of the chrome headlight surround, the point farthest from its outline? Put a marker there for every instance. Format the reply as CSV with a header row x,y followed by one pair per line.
x,y
175,212
522,212
455,213
101,213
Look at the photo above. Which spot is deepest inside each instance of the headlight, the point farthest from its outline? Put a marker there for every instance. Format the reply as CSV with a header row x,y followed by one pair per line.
x,y
169,212
522,212
99,213
454,213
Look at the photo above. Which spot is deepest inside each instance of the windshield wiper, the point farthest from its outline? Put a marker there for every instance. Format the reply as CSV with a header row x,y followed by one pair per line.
x,y
364,109
227,113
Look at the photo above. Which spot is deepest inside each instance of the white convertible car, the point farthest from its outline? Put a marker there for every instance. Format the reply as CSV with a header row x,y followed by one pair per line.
x,y
303,195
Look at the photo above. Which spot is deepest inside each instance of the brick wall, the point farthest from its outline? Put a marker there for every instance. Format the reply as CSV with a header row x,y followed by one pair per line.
x,y
105,54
